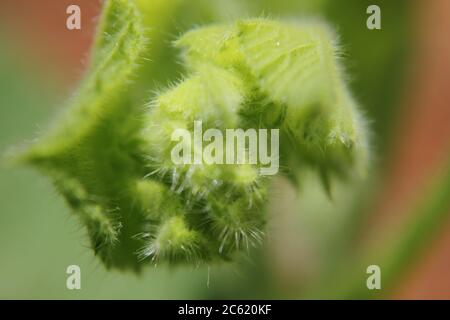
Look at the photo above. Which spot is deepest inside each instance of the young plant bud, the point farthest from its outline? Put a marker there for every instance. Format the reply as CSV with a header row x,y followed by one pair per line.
x,y
186,180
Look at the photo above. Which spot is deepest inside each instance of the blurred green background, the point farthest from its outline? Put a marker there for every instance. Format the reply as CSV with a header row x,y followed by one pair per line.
x,y
309,236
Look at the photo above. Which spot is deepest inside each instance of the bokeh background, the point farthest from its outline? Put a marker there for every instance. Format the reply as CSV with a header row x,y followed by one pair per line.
x,y
401,76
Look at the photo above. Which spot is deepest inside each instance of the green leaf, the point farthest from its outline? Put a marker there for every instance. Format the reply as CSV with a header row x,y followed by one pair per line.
x,y
92,152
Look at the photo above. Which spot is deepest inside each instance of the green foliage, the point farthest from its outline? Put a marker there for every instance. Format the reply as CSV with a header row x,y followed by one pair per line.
x,y
110,157
92,152
293,82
